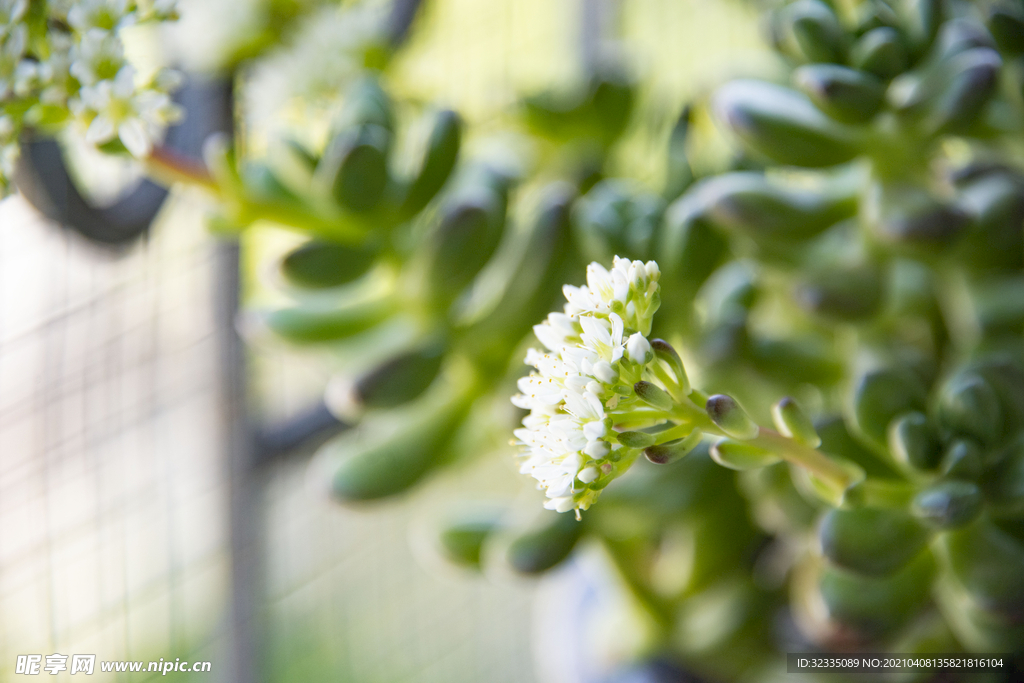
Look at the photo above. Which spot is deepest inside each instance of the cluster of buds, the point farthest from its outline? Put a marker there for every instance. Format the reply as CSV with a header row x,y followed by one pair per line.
x,y
596,352
63,62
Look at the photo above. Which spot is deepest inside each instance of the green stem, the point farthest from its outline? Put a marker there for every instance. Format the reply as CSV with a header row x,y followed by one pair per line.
x,y
809,458
790,450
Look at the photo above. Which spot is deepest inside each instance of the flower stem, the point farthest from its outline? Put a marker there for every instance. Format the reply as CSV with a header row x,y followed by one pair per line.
x,y
810,459
168,167
790,450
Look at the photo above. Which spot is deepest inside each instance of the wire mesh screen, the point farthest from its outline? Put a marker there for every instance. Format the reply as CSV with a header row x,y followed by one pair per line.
x,y
112,514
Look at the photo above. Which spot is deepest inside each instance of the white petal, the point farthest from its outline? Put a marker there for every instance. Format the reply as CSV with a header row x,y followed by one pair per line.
x,y
604,371
594,430
559,504
100,130
133,134
547,336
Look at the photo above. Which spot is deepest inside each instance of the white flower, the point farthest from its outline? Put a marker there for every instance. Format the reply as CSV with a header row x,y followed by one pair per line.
x,y
11,12
101,14
573,396
98,56
136,117
12,49
603,335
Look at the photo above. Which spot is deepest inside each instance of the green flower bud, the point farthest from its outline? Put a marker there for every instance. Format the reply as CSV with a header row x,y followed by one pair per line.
x,y
792,422
830,491
355,166
871,541
845,94
738,455
881,52
1004,484
664,351
971,82
725,412
636,439
969,405
880,395
670,452
318,264
948,504
368,468
1007,27
316,323
401,378
462,538
988,564
540,550
784,125
439,158
963,459
913,442
653,395
816,31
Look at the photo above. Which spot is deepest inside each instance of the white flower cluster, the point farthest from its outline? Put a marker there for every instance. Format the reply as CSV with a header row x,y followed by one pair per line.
x,y
64,61
596,350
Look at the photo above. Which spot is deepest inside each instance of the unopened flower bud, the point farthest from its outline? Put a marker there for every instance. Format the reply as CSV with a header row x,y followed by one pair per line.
x,y
734,421
636,439
664,351
737,455
605,372
653,395
793,422
638,349
667,453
